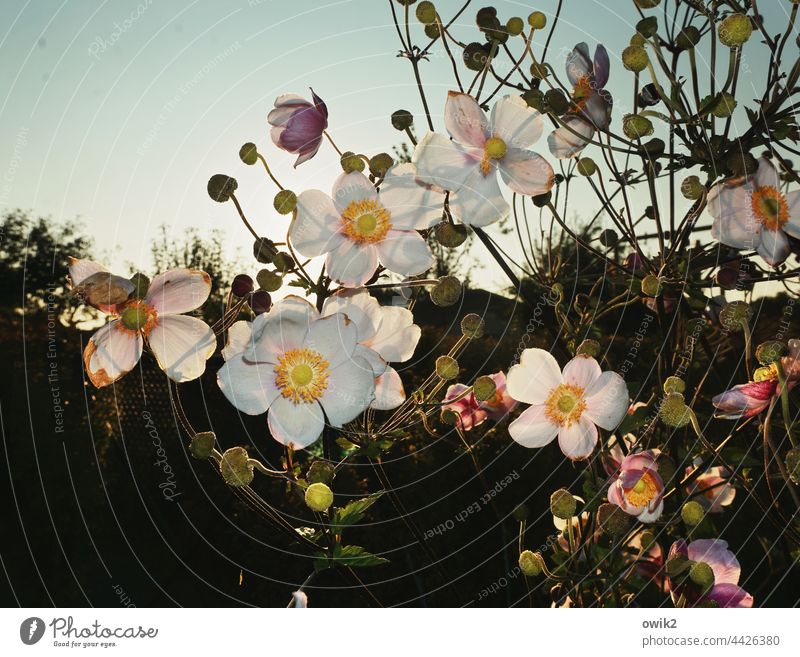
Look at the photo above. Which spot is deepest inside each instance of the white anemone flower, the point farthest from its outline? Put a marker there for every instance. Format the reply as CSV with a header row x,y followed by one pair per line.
x,y
569,404
360,227
755,214
388,332
299,368
181,344
467,166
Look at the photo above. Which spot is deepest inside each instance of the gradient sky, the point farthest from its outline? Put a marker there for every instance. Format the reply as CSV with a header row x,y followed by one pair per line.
x,y
119,111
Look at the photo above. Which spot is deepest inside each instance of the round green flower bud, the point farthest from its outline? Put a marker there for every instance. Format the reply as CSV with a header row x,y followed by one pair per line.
x,y
678,565
380,164
688,38
646,4
537,20
236,468
319,497
202,444
674,384
446,368
269,280
636,126
692,513
485,17
449,417
556,101
283,262
402,119
734,315
475,56
586,166
538,70
654,148
141,284
647,27
351,162
248,153
793,464
735,30
651,285
770,352
541,200
588,348
635,58
264,249
426,12
563,504
692,189
702,575
446,292
520,513
613,520
637,40
534,98
220,187
647,540
674,412
472,326
530,563
285,201
432,31
320,472
450,235
608,238
484,388
134,318
515,25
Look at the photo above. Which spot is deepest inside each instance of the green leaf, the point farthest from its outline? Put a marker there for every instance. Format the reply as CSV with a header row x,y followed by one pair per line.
x,y
356,556
353,512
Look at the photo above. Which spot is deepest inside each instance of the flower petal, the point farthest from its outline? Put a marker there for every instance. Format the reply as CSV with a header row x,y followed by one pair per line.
x,y
361,308
602,66
766,176
465,120
577,440
479,201
405,252
389,391
334,337
774,247
607,400
533,428
581,371
517,124
352,264
250,388
350,391
238,338
579,63
316,228
182,345
412,205
178,291
715,553
111,352
526,172
80,270
397,335
442,162
729,596
534,377
283,328
352,188
378,364
298,425
734,224
564,142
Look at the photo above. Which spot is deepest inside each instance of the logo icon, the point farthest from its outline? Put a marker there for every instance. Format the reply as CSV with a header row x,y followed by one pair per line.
x,y
31,630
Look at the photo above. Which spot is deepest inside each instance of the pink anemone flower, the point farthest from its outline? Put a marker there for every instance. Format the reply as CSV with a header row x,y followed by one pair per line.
x,y
638,488
470,412
726,591
298,125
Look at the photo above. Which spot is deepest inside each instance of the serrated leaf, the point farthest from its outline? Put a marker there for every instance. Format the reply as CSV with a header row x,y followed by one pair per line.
x,y
353,512
356,556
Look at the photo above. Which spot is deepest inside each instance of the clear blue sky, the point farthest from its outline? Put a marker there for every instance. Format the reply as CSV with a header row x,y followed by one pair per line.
x,y
119,111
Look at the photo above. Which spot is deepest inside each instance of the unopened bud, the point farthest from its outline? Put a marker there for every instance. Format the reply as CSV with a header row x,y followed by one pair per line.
x,y
735,30
236,468
319,497
635,58
530,563
446,368
563,504
269,280
520,513
472,326
537,20
484,388
651,285
285,201
688,38
770,352
692,188
320,472
586,166
674,412
248,153
674,384
451,235
242,285
351,162
202,444
402,119
692,513
702,575
613,520
264,249
380,164
446,292
220,187
636,126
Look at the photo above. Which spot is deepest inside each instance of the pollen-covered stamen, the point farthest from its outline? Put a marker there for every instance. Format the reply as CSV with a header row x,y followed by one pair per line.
x,y
581,93
301,375
138,316
643,491
366,221
770,207
565,405
494,149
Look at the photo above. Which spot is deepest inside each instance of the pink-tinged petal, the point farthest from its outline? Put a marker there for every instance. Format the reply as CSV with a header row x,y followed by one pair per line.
x,y
239,336
536,375
648,515
615,495
412,205
283,328
581,371
317,227
250,388
389,392
111,352
285,106
517,124
465,120
309,152
182,345
333,337
352,188
479,201
745,400
405,252
526,172
734,224
577,440
350,391
564,142
715,553
774,247
80,270
598,109
729,596
602,66
579,63
442,162
639,463
397,335
792,226
502,403
360,307
178,291
767,176
607,400
298,425
533,428
352,264
462,403
378,364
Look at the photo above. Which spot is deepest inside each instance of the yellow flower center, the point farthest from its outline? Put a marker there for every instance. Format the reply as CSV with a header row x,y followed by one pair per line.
x,y
581,93
643,491
366,221
494,149
565,404
138,316
770,207
301,375
766,373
